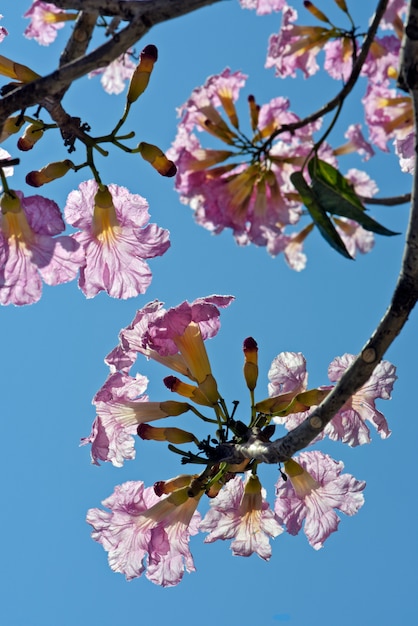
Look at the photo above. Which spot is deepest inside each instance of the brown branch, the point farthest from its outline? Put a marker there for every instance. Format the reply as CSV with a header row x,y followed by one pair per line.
x,y
148,15
403,301
390,201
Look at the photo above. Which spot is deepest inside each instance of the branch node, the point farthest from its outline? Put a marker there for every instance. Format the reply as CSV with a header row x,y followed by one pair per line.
x,y
316,422
369,355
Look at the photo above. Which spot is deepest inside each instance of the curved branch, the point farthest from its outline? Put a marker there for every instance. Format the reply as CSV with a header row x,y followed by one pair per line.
x,y
148,14
403,301
390,201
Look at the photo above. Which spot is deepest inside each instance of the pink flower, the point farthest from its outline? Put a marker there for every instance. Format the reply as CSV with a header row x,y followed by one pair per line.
x,y
143,532
295,47
394,13
287,373
247,186
173,337
263,7
46,20
115,74
116,405
339,58
349,424
116,237
29,252
315,487
405,150
356,143
388,115
240,512
3,31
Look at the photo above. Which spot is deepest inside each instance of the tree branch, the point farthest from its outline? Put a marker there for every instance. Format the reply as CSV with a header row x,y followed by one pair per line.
x,y
147,15
403,301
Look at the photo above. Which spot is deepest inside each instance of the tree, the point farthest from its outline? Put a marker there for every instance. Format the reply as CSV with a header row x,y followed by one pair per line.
x,y
298,154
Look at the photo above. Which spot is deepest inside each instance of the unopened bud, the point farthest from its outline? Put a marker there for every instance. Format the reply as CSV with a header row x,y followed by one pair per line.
x,y
140,77
33,133
250,365
50,172
19,72
186,390
315,11
162,487
157,158
170,434
254,112
11,126
342,5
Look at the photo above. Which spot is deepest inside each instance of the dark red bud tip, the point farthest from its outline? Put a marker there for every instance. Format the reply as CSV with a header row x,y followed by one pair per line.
x,y
159,488
170,382
141,430
150,51
250,344
32,179
171,170
251,98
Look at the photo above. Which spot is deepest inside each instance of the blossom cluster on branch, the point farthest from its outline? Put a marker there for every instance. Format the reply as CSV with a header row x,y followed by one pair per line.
x,y
260,180
158,521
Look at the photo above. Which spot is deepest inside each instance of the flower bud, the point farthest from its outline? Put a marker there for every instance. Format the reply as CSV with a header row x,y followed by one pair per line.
x,y
19,72
250,366
254,112
50,172
11,126
170,434
186,390
33,133
315,11
157,158
162,487
140,77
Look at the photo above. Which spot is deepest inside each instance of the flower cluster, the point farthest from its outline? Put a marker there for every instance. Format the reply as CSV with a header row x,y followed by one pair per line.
x,y
247,186
113,237
109,249
147,530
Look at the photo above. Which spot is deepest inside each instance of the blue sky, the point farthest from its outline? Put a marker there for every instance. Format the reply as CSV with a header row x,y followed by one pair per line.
x,y
52,365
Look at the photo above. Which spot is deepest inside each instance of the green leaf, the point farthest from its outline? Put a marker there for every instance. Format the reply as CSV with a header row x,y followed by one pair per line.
x,y
337,196
318,214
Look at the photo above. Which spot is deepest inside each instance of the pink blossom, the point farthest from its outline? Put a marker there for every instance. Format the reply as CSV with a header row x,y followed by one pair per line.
x,y
388,114
405,150
362,183
338,58
226,189
315,487
263,7
111,437
240,512
395,11
115,75
356,143
287,373
157,333
349,424
143,532
295,47
29,252
46,20
3,31
116,237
